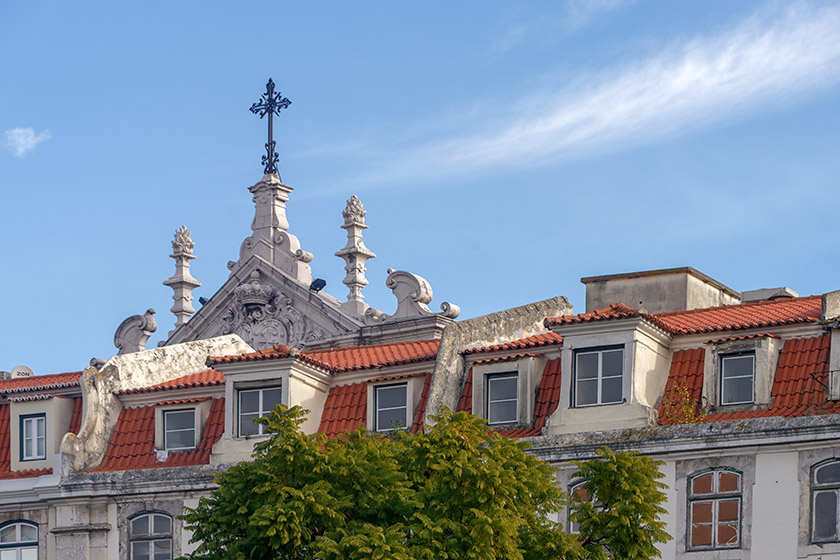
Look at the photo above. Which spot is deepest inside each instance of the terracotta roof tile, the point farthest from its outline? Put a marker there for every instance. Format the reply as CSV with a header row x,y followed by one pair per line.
x,y
612,311
743,337
202,379
76,417
345,409
465,402
39,382
798,387
350,358
421,406
542,339
499,359
548,397
132,445
743,316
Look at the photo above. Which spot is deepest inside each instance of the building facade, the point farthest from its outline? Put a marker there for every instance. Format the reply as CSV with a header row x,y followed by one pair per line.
x,y
738,394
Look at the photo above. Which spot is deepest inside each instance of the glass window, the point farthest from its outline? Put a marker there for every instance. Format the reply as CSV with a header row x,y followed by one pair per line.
x,y
150,537
33,437
714,510
19,541
179,429
391,407
579,493
825,488
737,379
599,376
256,403
503,398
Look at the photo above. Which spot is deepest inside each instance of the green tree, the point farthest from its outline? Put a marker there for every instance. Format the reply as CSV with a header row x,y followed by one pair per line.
x,y
457,491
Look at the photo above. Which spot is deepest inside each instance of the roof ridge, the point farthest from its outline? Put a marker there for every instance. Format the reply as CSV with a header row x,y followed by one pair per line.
x,y
777,301
364,346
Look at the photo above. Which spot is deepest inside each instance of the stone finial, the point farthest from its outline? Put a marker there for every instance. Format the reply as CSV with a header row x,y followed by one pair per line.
x,y
413,293
134,332
182,282
355,255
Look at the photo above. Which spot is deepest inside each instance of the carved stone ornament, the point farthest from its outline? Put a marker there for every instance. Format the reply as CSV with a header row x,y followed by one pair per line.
x,y
183,243
354,213
263,316
413,293
133,333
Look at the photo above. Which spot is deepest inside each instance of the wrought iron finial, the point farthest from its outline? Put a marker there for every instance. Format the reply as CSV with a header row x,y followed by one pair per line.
x,y
270,104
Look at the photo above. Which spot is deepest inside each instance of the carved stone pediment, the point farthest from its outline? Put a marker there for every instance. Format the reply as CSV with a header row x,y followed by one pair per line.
x,y
263,315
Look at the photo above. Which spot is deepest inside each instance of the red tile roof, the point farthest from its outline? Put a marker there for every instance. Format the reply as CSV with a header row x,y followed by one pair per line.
x,y
39,382
498,359
759,314
133,444
6,471
798,387
542,339
76,417
465,402
350,358
203,379
421,406
686,376
612,311
344,410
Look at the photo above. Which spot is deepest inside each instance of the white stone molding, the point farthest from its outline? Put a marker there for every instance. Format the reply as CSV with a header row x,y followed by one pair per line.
x,y
133,333
182,282
355,255
271,240
413,293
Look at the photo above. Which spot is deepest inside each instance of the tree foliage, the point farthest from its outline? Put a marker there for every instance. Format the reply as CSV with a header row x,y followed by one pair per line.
x,y
457,491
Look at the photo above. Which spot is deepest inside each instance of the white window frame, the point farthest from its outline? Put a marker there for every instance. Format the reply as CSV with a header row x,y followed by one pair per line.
x,y
723,360
714,498
599,350
824,488
166,429
262,410
19,545
151,537
488,381
376,409
26,423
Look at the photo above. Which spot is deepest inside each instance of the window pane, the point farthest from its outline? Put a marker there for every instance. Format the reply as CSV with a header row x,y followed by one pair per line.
x,y
727,534
180,439
163,525
390,397
28,533
587,392
500,412
587,366
612,363
611,390
502,388
738,390
271,398
247,427
729,482
28,448
249,401
828,474
390,419
40,426
702,484
825,515
7,555
180,420
29,553
162,549
701,535
701,512
41,447
8,534
140,551
580,493
737,366
728,510
140,526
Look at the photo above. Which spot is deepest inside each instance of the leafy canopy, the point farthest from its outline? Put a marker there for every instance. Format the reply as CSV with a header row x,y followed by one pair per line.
x,y
457,491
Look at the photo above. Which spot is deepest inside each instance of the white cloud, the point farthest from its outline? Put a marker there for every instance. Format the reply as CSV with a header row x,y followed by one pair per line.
x,y
580,12
767,59
20,140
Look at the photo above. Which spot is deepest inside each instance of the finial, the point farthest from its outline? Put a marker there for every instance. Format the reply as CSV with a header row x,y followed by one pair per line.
x,y
182,282
270,103
355,255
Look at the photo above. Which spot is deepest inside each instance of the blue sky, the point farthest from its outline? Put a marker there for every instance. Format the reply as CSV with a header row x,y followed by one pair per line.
x,y
502,150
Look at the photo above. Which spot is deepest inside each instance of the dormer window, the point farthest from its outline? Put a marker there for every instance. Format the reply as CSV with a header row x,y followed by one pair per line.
x,y
503,398
737,378
33,430
179,429
256,403
391,404
599,376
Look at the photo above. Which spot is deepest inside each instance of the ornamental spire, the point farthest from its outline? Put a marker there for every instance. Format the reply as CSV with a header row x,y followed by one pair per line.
x,y
270,104
182,282
355,254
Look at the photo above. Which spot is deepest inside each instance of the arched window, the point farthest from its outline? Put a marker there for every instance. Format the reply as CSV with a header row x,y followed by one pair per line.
x,y
150,537
714,510
578,493
825,487
19,541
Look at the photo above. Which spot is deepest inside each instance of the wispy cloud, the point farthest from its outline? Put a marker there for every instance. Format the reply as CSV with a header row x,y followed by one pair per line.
x,y
21,141
766,59
579,13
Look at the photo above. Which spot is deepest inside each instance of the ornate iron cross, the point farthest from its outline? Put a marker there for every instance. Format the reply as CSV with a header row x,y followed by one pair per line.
x,y
270,104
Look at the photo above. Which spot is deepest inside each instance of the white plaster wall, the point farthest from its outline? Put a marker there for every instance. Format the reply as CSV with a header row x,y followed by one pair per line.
x,y
669,549
651,363
305,393
57,413
186,546
775,506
